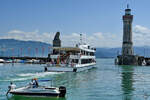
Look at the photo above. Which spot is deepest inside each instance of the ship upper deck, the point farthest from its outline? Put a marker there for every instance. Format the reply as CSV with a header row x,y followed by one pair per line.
x,y
77,48
66,48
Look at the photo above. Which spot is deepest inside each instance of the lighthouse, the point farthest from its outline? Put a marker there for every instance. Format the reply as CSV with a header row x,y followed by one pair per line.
x,y
127,45
127,56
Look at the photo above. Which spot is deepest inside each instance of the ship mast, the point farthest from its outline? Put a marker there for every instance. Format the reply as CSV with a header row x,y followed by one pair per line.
x,y
80,38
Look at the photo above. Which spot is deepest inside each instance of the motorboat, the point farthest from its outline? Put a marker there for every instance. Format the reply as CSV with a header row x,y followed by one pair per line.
x,y
38,91
2,61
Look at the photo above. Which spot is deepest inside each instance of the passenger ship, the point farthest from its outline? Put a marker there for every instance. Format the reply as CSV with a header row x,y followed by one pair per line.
x,y
71,59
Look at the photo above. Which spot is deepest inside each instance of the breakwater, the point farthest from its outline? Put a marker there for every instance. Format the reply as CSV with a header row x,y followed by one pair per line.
x,y
37,60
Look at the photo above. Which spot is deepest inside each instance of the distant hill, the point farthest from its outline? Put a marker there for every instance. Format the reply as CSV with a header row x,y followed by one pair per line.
x,y
11,47
107,52
113,52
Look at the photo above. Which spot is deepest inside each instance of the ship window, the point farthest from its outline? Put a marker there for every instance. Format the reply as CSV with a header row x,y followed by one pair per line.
x,y
82,52
92,53
75,61
86,53
55,61
86,61
55,51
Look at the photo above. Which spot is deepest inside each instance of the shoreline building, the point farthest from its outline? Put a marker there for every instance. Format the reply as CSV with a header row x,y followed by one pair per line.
x,y
127,57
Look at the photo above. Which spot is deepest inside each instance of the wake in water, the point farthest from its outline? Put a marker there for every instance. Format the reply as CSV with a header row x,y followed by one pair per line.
x,y
42,74
27,76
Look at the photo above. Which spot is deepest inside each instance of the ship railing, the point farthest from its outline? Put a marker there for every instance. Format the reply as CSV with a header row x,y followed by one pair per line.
x,y
54,56
87,56
74,56
62,65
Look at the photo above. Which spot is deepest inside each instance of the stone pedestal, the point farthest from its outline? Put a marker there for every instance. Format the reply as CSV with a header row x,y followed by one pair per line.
x,y
127,60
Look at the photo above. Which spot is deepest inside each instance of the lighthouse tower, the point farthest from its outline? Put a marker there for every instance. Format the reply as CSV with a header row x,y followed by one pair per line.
x,y
127,57
127,45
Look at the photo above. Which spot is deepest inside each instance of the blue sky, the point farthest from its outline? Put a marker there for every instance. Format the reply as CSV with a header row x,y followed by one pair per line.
x,y
99,20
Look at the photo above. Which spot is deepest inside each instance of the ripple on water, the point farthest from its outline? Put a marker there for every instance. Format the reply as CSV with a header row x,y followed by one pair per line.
x,y
27,76
107,82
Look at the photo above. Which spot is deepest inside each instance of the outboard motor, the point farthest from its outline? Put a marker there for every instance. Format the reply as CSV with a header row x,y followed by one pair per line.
x,y
45,69
62,90
75,70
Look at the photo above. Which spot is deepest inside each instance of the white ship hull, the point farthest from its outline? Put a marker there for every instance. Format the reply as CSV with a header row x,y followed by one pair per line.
x,y
78,68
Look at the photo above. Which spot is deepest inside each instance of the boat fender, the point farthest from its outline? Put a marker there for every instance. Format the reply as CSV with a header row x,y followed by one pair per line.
x,y
62,91
75,70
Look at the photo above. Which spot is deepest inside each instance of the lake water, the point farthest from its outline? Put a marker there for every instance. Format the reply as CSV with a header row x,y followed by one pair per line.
x,y
105,82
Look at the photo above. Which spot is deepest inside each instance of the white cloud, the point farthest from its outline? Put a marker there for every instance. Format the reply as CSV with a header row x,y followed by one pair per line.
x,y
138,29
99,35
97,39
26,36
16,32
141,37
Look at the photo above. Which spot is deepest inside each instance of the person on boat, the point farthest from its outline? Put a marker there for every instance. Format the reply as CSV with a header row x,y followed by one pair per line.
x,y
10,87
52,62
35,83
31,83
58,60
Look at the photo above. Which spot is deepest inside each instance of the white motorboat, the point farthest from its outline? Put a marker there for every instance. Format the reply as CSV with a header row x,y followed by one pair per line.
x,y
39,91
2,61
71,59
